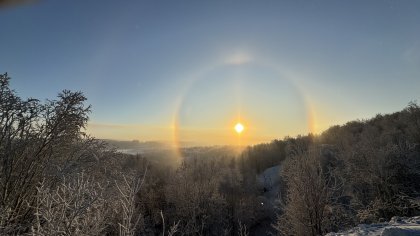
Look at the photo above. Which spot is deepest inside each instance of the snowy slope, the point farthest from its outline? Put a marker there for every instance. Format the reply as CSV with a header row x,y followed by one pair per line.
x,y
397,226
269,180
269,183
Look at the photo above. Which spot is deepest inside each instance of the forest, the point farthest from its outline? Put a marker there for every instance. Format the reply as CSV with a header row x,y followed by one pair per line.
x,y
55,179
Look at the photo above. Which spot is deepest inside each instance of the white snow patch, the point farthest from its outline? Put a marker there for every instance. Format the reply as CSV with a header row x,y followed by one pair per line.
x,y
397,226
269,180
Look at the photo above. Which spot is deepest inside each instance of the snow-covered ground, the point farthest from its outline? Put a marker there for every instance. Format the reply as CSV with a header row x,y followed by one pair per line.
x,y
269,181
269,184
397,226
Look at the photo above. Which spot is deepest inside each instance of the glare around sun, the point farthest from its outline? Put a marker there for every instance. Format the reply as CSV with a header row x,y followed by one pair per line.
x,y
239,128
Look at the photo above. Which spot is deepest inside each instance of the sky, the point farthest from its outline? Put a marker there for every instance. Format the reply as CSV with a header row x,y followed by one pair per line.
x,y
188,71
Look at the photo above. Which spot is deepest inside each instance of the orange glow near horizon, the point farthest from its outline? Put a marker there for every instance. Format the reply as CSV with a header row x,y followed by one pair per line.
x,y
242,80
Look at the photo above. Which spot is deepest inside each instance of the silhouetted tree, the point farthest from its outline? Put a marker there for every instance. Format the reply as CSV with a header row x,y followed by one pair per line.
x,y
31,133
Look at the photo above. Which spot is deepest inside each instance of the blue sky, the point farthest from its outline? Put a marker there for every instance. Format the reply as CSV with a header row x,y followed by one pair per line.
x,y
279,66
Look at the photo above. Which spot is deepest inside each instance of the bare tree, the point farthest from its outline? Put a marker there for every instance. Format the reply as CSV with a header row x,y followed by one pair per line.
x,y
172,230
242,230
131,217
31,134
194,200
310,196
75,207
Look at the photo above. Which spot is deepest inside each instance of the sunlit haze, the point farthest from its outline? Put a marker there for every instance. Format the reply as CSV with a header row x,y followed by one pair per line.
x,y
186,71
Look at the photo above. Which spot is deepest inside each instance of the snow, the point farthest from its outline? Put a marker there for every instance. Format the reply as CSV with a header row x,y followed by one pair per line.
x,y
269,184
269,180
397,226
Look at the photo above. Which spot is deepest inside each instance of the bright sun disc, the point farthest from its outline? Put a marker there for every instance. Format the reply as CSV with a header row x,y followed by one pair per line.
x,y
239,128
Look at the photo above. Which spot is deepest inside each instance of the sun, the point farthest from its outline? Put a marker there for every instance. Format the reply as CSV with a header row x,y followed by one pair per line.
x,y
239,128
